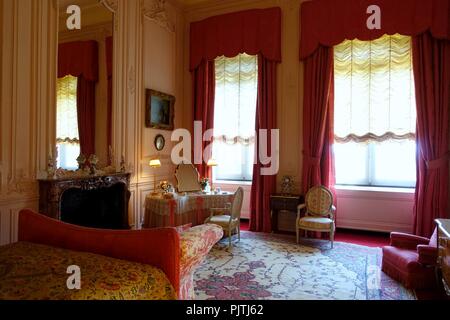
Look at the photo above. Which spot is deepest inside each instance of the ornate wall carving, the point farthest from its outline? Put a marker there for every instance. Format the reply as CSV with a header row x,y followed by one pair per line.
x,y
155,10
28,101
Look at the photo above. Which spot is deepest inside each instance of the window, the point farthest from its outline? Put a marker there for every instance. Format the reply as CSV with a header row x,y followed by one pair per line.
x,y
375,112
67,139
234,117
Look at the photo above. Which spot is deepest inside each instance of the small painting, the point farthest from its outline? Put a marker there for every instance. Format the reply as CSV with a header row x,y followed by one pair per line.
x,y
159,110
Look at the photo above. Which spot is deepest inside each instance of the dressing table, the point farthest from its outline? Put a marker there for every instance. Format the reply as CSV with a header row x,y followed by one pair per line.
x,y
188,205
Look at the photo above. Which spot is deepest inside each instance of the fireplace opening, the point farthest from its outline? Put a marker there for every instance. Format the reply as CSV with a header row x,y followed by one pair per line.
x,y
103,208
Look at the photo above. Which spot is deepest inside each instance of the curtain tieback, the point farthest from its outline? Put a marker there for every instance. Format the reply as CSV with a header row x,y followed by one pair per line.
x,y
311,160
437,163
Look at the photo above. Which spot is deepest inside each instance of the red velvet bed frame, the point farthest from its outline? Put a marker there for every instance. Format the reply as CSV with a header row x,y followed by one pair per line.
x,y
156,247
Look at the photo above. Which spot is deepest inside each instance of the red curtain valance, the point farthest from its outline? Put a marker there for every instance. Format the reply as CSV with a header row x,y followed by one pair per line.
x,y
79,58
329,22
251,31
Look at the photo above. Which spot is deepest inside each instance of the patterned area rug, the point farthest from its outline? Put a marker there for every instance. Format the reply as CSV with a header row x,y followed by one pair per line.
x,y
264,266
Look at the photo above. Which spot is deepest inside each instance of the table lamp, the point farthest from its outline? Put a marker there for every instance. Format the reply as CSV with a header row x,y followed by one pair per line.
x,y
212,163
154,163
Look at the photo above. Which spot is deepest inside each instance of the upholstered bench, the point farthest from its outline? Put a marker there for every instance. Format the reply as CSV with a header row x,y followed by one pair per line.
x,y
195,244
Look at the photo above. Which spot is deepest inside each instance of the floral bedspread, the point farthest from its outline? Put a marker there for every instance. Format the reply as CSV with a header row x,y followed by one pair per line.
x,y
31,271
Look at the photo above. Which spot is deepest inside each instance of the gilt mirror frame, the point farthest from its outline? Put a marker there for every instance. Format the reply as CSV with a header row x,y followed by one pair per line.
x,y
187,178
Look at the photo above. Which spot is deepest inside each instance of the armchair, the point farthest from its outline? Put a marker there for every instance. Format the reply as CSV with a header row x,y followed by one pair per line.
x,y
229,218
319,212
411,260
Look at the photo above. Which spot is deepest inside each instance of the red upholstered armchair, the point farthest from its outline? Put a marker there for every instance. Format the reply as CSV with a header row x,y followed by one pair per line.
x,y
411,260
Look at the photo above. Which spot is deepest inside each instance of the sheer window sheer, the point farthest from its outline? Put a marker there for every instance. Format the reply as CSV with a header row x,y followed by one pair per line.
x,y
234,117
375,112
67,138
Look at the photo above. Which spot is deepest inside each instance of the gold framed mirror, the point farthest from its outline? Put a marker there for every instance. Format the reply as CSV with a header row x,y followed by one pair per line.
x,y
187,178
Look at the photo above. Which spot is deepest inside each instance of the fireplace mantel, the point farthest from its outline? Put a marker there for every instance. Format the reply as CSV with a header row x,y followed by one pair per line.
x,y
51,193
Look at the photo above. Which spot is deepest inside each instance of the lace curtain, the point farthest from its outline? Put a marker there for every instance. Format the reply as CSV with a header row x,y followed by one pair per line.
x,y
374,100
235,99
235,116
66,117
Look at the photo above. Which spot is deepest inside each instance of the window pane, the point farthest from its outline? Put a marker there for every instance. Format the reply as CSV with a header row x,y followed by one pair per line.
x,y
236,161
394,163
234,116
67,155
67,123
351,163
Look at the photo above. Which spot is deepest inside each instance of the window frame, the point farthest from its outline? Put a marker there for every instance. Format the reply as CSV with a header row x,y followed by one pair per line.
x,y
246,149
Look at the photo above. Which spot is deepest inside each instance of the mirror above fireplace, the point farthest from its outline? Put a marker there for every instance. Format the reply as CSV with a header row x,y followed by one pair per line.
x,y
84,84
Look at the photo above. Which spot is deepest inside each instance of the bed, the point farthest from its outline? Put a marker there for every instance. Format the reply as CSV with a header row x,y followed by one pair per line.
x,y
128,265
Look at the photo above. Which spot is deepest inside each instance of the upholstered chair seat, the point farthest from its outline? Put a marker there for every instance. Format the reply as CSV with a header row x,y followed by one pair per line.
x,y
315,222
223,220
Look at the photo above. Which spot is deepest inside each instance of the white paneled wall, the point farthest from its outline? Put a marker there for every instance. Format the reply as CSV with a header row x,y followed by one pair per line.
x,y
376,209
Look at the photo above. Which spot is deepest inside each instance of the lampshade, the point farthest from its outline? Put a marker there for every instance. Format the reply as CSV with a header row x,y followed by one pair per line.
x,y
212,163
155,163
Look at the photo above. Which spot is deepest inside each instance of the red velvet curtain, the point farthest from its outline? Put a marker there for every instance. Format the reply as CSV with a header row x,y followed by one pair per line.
x,y
109,70
204,82
86,115
79,58
318,120
266,118
431,60
256,31
251,31
329,22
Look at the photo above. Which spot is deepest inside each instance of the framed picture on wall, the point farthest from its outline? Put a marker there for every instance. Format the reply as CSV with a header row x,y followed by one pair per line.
x,y
159,110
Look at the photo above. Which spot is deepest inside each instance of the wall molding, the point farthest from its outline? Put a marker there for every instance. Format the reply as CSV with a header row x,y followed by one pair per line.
x,y
155,10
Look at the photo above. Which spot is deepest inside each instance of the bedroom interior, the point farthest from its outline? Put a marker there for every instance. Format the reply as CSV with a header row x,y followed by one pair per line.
x,y
225,150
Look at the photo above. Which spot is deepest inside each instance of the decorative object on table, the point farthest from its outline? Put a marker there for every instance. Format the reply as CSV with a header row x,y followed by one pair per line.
x,y
187,178
165,186
123,167
81,160
159,110
287,184
212,163
154,163
159,142
204,183
93,162
52,162
50,166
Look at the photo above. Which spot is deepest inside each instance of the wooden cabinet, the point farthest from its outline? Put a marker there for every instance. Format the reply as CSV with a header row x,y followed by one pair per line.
x,y
444,252
279,202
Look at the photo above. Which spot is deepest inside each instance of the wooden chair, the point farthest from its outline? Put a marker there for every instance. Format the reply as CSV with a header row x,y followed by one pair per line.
x,y
319,214
229,218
